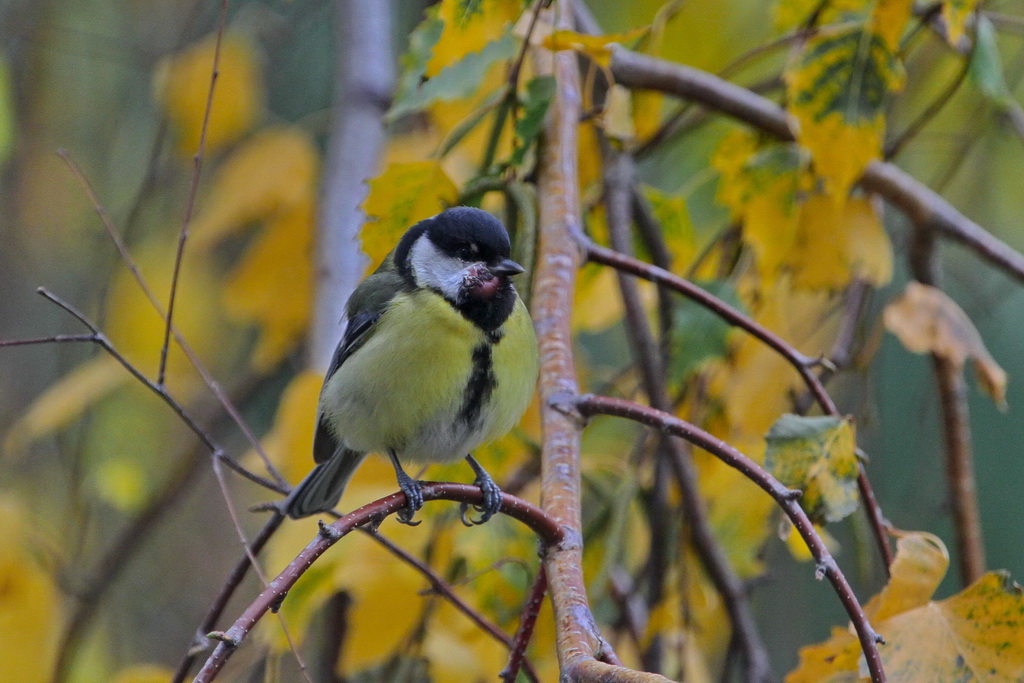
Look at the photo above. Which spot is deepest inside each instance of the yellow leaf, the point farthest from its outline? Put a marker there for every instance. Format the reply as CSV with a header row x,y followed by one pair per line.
x,y
617,119
763,189
920,564
790,14
598,303
598,48
182,84
137,330
840,242
65,401
274,171
754,387
677,228
29,602
837,89
739,516
272,285
955,13
889,19
144,673
290,441
816,455
974,635
798,546
926,320
386,599
401,196
121,482
468,27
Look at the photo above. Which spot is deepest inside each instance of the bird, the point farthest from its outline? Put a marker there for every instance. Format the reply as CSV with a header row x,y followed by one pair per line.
x,y
439,356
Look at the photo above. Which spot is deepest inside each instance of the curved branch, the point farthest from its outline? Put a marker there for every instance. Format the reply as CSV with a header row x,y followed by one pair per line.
x,y
548,529
786,498
799,361
923,205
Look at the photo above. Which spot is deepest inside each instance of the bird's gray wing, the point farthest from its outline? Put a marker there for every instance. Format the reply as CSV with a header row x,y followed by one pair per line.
x,y
364,310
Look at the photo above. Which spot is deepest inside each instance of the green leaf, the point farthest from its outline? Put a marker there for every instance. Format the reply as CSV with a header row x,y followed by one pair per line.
x,y
455,81
986,67
414,62
698,335
535,102
818,456
838,87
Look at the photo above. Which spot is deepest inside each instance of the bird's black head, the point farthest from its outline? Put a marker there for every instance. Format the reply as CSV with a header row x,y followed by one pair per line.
x,y
463,254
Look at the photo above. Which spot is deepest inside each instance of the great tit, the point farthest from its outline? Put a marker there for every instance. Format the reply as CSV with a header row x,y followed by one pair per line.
x,y
438,357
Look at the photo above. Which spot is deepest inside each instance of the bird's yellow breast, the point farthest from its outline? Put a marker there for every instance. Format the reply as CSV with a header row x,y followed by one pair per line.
x,y
405,389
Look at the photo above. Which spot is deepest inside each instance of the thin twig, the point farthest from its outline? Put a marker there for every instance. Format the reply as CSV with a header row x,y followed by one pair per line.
x,y
101,339
547,528
527,620
193,191
896,144
956,427
786,498
126,257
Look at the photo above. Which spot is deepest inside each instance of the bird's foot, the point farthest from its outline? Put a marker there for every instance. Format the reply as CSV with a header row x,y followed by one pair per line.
x,y
491,496
413,496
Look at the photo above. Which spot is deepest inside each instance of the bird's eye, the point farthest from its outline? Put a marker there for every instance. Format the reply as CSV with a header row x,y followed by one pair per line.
x,y
468,253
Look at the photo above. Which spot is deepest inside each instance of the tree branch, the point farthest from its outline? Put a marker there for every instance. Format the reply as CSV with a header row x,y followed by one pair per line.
x,y
956,427
786,498
547,528
799,361
924,206
578,640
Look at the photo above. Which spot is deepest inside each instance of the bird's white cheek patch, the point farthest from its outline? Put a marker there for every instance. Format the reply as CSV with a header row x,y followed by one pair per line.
x,y
436,270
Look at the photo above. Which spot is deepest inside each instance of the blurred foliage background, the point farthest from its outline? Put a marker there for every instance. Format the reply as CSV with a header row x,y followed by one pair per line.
x,y
119,86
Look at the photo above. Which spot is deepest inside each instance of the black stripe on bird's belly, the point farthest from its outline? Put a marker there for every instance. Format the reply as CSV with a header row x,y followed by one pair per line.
x,y
481,384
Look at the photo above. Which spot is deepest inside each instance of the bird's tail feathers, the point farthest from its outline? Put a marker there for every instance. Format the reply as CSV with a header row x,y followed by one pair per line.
x,y
321,490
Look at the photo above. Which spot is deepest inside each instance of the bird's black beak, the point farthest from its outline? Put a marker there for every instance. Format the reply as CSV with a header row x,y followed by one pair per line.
x,y
506,267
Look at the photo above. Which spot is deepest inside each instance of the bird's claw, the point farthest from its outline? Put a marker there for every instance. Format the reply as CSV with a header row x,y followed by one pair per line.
x,y
491,502
414,499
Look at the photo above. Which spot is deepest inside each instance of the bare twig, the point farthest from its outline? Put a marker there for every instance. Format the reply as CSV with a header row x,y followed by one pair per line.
x,y
212,384
193,190
786,499
923,205
619,181
956,427
527,620
547,528
801,363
